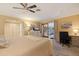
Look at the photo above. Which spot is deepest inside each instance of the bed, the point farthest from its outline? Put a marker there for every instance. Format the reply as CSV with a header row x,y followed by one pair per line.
x,y
24,46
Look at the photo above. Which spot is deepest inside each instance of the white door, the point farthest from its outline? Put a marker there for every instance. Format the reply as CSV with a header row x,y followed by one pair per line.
x,y
12,30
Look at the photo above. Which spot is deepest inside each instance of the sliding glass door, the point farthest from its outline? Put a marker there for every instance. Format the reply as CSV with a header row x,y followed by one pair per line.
x,y
51,30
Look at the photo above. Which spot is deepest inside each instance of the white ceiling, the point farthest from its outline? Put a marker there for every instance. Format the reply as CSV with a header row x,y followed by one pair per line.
x,y
48,10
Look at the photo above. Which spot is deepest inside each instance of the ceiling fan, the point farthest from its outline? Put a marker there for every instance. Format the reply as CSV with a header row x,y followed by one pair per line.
x,y
26,7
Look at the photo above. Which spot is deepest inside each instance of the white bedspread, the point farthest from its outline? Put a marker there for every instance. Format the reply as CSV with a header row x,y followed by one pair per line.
x,y
27,47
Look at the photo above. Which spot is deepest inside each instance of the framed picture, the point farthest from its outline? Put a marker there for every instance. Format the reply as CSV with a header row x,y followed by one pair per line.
x,y
66,25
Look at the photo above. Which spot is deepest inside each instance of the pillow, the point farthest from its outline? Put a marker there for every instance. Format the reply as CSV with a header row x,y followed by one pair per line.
x,y
3,42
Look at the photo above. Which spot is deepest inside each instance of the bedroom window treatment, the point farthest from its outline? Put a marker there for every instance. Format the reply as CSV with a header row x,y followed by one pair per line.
x,y
12,30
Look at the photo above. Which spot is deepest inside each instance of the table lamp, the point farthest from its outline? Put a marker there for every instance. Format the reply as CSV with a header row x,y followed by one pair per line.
x,y
75,31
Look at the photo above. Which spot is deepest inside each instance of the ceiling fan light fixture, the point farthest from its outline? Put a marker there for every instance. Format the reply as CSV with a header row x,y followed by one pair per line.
x,y
37,9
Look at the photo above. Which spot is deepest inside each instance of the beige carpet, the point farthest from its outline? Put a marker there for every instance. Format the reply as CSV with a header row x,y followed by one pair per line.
x,y
65,51
27,46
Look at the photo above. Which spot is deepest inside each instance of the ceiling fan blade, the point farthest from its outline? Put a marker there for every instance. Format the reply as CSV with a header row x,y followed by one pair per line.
x,y
32,11
23,5
33,6
17,8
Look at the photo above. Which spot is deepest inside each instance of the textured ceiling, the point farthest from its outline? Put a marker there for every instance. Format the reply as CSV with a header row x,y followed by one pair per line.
x,y
48,10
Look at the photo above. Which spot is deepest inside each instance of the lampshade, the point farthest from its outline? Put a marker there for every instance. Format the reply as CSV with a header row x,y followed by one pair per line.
x,y
75,30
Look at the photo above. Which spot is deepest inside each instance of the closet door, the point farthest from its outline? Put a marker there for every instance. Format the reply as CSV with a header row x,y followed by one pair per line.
x,y
12,30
